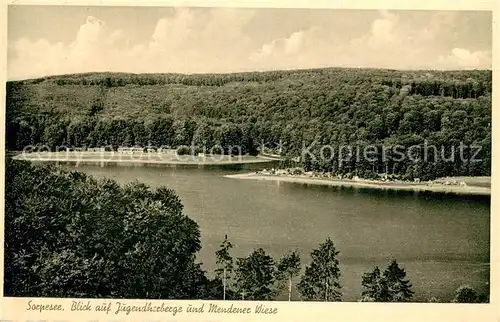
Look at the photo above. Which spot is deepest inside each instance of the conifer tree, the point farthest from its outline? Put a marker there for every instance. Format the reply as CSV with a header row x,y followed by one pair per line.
x,y
288,268
399,289
320,281
390,286
224,263
256,276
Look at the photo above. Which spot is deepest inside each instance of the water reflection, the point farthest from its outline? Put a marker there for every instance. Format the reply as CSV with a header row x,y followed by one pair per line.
x,y
441,240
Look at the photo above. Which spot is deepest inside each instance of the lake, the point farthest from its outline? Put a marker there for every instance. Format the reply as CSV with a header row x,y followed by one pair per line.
x,y
441,241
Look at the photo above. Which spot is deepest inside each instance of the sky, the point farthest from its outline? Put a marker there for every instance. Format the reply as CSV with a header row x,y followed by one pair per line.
x,y
52,40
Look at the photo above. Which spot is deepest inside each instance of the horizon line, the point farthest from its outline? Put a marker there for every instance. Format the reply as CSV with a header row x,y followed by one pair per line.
x,y
247,72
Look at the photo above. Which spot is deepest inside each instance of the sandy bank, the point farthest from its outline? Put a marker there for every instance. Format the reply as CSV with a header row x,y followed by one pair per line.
x,y
431,187
153,158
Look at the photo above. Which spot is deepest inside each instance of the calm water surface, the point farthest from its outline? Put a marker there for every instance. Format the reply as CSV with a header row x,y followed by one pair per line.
x,y
441,241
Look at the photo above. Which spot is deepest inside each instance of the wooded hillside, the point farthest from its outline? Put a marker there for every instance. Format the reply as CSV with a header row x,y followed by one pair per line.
x,y
332,106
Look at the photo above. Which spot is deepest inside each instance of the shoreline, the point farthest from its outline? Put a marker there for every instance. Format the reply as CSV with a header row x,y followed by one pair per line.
x,y
424,187
155,159
108,157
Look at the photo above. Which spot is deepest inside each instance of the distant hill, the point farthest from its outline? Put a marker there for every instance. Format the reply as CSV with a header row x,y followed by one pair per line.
x,y
334,106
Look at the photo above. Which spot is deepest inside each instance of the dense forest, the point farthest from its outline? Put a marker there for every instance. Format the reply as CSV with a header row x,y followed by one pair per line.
x,y
289,110
70,235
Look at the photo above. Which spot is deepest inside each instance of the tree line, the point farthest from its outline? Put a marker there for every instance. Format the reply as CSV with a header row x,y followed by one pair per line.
x,y
283,110
260,277
70,235
457,84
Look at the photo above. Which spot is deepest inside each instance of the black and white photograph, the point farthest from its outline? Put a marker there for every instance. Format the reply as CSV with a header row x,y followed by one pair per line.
x,y
247,154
